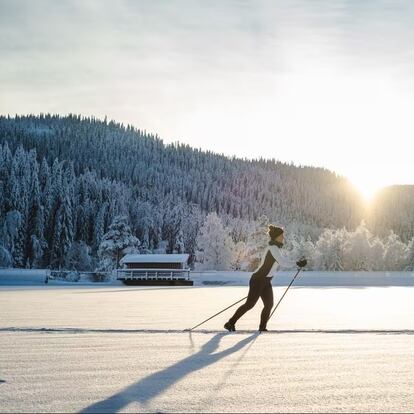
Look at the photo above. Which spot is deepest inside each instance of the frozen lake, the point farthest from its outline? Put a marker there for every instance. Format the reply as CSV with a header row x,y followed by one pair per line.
x,y
114,348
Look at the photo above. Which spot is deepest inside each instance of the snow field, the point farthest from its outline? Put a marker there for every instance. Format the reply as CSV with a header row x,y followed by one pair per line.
x,y
25,277
121,349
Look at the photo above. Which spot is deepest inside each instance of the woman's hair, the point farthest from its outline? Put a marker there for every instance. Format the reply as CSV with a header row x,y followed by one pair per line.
x,y
274,231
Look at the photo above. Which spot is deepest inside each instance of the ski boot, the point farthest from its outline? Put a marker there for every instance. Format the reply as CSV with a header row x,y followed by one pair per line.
x,y
230,326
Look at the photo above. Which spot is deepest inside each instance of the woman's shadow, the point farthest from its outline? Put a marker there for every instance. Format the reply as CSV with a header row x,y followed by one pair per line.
x,y
149,387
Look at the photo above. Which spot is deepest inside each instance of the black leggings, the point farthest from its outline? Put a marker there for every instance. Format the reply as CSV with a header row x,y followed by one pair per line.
x,y
260,287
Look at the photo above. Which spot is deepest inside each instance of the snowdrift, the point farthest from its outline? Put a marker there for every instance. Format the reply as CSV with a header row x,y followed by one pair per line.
x,y
23,276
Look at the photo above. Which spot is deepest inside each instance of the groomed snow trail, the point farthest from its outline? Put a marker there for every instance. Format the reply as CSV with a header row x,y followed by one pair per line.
x,y
123,350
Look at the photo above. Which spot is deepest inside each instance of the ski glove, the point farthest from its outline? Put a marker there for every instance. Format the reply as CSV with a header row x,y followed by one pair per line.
x,y
302,262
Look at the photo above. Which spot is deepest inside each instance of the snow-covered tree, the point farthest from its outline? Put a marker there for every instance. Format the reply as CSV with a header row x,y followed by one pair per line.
x,y
305,249
410,256
143,218
215,246
5,171
99,229
357,249
179,243
6,258
192,221
162,247
10,233
329,250
64,231
115,243
376,257
166,190
239,228
172,215
395,253
36,243
78,257
239,256
257,242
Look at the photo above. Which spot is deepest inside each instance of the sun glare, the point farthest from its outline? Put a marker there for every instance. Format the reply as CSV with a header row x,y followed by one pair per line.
x,y
367,187
369,178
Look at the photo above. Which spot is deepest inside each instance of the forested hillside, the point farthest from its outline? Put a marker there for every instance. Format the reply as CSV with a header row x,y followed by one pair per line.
x,y
393,208
63,181
151,170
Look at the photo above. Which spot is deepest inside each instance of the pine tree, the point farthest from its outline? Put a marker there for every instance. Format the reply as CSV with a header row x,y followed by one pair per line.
x,y
78,257
45,183
36,243
192,221
10,233
6,258
143,216
117,239
63,235
179,243
99,229
19,204
171,223
54,201
5,171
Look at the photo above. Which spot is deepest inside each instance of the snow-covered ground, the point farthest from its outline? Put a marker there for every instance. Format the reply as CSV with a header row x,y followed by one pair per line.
x,y
232,278
306,278
23,276
113,348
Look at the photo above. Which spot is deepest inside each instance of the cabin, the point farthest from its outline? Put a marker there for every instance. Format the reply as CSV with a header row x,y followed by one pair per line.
x,y
155,270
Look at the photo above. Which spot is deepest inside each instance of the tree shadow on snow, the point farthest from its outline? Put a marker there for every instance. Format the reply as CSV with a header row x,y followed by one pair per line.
x,y
149,387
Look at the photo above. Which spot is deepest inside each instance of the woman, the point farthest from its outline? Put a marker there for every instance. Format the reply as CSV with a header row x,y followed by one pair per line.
x,y
260,281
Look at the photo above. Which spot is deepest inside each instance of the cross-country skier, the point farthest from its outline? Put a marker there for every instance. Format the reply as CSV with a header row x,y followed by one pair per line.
x,y
261,280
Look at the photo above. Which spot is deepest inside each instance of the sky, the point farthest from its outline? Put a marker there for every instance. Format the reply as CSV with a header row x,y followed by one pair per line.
x,y
327,83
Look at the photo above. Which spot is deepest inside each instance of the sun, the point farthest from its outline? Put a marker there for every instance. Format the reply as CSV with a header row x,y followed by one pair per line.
x,y
367,186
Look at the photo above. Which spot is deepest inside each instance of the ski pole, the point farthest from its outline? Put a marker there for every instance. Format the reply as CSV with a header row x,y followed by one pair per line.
x,y
280,300
218,313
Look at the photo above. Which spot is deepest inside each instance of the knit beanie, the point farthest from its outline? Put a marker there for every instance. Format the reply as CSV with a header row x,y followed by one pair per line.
x,y
274,231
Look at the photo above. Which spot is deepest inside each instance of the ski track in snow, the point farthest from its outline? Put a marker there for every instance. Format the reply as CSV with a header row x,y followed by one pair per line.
x,y
121,350
211,331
